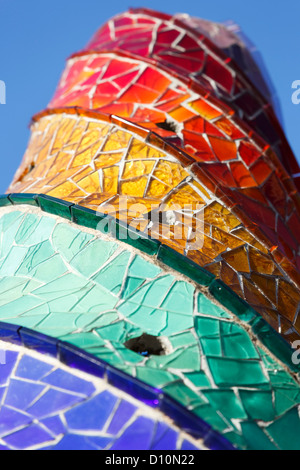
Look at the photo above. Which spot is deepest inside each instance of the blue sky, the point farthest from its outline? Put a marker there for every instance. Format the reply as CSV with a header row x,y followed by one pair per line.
x,y
37,36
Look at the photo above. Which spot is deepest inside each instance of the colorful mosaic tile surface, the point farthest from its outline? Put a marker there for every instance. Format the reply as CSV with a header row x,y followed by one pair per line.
x,y
178,266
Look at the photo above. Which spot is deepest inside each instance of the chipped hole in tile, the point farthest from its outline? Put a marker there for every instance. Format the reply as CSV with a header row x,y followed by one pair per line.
x,y
148,345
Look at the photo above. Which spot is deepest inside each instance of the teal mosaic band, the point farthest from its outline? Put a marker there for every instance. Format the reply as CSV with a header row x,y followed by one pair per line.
x,y
89,218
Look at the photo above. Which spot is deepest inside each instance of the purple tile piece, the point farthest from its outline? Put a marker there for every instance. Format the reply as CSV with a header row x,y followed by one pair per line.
x,y
75,442
2,391
186,445
100,442
4,448
6,369
52,402
12,419
92,414
69,382
21,394
28,437
32,369
137,437
84,413
54,425
122,415
160,429
166,440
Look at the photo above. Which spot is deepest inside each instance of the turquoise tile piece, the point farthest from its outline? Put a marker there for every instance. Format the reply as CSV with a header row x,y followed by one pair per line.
x,y
92,321
259,406
198,379
162,377
119,331
221,338
35,229
112,275
230,300
256,438
221,399
285,430
69,241
12,261
94,254
206,307
43,264
180,299
84,341
8,227
229,372
130,286
140,268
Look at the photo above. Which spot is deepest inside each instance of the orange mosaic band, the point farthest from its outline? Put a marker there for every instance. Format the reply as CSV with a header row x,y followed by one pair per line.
x,y
195,51
98,162
234,156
